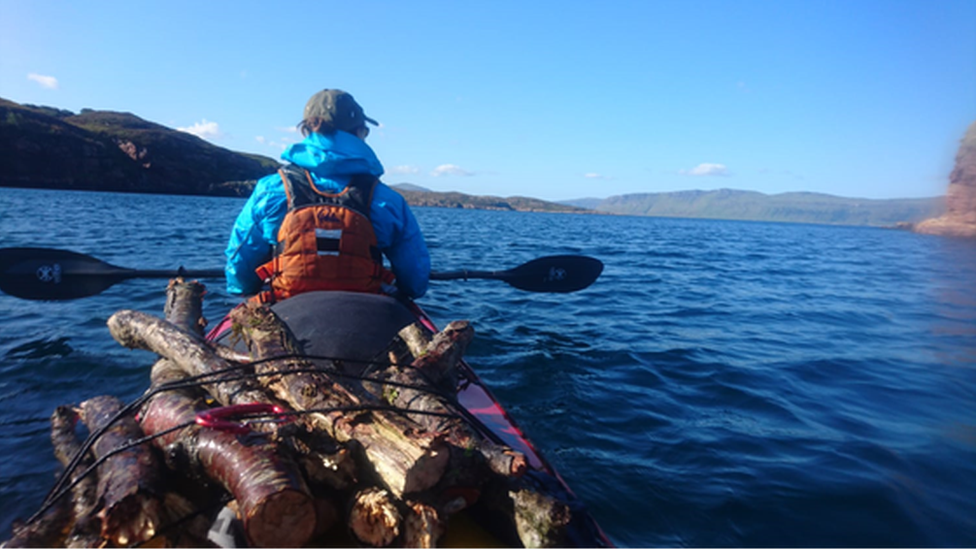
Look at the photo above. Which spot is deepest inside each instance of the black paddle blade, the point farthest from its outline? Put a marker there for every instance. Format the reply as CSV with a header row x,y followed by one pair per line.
x,y
47,274
555,273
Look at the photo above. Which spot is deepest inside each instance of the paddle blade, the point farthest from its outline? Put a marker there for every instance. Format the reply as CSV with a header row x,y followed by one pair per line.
x,y
48,274
555,273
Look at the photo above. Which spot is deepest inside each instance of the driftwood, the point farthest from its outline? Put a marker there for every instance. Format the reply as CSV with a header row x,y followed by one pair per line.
x,y
433,374
422,525
138,330
406,458
358,454
85,530
539,520
274,503
129,481
416,337
184,305
374,518
438,360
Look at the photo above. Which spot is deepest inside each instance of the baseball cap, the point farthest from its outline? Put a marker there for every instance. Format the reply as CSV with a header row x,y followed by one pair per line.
x,y
337,108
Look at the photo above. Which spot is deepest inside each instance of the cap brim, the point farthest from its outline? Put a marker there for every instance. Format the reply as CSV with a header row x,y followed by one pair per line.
x,y
370,120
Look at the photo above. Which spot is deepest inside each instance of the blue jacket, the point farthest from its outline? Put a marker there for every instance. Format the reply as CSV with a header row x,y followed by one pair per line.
x,y
331,159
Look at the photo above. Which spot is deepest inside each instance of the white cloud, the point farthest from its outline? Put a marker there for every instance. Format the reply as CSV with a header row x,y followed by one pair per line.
x,y
593,175
48,82
450,169
707,169
203,129
260,139
405,170
289,129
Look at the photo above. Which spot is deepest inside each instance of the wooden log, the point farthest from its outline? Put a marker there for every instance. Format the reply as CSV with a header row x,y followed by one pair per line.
x,y
416,337
128,482
138,330
85,530
274,503
440,358
325,462
431,374
520,513
540,520
406,458
374,518
193,524
184,305
422,525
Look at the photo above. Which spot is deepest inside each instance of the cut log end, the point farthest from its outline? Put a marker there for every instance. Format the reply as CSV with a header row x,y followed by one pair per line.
x,y
132,521
286,519
374,518
423,526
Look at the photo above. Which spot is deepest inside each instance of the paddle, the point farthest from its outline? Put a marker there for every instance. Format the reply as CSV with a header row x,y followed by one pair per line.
x,y
51,274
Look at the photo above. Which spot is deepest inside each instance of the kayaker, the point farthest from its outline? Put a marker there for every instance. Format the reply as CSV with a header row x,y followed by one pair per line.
x,y
324,221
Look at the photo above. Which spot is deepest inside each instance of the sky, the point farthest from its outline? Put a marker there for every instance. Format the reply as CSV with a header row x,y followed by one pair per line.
x,y
548,99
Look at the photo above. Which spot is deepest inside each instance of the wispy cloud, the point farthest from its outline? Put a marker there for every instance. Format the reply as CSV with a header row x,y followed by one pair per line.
x,y
48,82
594,175
404,170
706,169
203,129
450,169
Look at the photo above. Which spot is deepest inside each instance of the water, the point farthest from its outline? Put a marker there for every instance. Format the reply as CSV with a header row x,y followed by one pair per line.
x,y
722,384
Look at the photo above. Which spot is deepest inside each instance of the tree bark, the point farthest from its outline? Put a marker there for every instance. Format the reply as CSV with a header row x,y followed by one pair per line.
x,y
275,505
138,330
184,305
433,373
128,482
406,458
85,530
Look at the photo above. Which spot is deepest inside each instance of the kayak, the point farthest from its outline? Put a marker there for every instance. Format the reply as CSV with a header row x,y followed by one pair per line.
x,y
356,327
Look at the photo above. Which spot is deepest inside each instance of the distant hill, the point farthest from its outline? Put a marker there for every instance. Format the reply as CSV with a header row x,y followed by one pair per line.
x,y
48,148
410,187
800,207
461,200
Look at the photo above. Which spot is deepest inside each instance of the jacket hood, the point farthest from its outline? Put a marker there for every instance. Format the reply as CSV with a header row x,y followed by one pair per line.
x,y
334,156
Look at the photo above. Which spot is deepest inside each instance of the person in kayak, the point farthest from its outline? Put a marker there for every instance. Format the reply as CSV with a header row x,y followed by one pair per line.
x,y
324,221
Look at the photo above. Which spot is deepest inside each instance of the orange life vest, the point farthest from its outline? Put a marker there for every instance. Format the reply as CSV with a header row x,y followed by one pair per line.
x,y
326,241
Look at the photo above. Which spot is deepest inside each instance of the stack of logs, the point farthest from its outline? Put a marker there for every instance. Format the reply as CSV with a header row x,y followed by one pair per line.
x,y
338,462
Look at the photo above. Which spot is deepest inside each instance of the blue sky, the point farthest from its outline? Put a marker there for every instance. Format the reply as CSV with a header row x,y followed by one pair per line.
x,y
554,100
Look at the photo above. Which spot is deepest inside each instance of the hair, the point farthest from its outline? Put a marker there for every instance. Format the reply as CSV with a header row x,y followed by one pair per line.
x,y
319,125
315,125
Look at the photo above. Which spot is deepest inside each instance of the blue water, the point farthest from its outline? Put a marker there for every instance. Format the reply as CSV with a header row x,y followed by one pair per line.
x,y
722,384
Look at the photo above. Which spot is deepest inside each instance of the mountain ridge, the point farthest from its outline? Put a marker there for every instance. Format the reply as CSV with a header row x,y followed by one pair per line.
x,y
795,207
